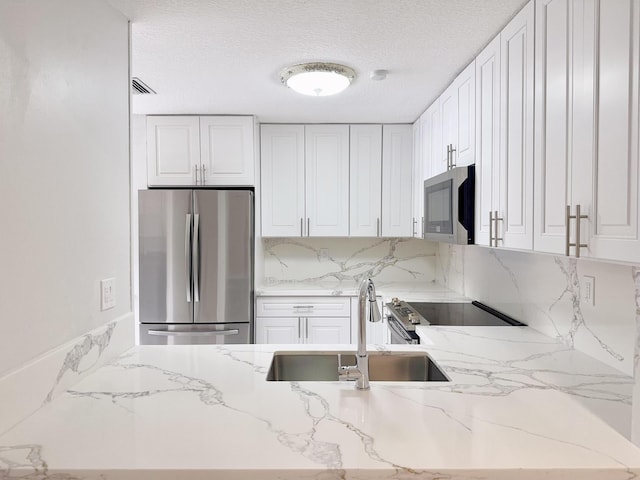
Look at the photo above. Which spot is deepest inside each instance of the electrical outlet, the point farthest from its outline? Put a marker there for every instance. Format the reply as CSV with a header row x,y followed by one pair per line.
x,y
589,289
107,293
324,255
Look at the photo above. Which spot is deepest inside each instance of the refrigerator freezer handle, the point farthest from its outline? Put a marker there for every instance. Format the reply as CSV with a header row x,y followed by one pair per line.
x,y
187,254
196,257
200,333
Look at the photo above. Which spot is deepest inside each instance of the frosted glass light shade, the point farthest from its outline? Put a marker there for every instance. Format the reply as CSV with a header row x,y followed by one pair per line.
x,y
317,79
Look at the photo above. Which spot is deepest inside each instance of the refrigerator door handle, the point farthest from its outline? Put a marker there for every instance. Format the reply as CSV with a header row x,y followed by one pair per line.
x,y
187,254
196,257
200,333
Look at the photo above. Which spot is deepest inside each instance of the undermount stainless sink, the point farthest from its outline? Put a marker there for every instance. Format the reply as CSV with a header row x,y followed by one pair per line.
x,y
383,366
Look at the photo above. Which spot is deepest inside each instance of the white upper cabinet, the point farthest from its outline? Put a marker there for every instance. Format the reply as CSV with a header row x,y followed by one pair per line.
x,y
173,150
397,168
515,221
434,158
327,180
365,164
553,137
282,177
192,150
466,91
418,180
487,141
612,175
587,127
457,114
226,150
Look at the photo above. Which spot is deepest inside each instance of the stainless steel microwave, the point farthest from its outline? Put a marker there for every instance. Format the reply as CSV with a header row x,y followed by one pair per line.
x,y
448,206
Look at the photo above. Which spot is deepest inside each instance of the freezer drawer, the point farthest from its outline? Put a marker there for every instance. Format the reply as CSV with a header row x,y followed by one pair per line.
x,y
194,334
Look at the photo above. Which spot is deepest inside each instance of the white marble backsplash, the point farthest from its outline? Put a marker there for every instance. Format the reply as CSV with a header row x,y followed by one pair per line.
x,y
545,292
347,261
25,390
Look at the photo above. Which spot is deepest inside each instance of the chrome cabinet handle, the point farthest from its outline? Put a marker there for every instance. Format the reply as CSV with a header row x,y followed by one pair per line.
x,y
578,217
422,229
196,169
306,329
306,307
414,226
567,226
378,226
299,332
187,254
490,228
301,228
308,227
204,174
496,219
448,157
170,333
196,257
453,163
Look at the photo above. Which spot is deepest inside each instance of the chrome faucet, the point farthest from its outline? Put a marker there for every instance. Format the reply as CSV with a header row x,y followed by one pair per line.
x,y
360,371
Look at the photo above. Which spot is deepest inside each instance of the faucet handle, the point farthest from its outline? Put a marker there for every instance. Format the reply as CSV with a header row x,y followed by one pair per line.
x,y
347,372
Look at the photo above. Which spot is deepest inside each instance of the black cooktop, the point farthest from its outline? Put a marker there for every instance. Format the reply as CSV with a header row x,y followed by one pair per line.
x,y
462,314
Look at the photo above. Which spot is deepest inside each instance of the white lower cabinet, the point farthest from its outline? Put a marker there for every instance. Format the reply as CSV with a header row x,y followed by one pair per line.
x,y
277,330
300,320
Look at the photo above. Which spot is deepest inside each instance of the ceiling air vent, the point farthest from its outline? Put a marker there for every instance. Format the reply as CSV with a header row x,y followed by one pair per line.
x,y
138,87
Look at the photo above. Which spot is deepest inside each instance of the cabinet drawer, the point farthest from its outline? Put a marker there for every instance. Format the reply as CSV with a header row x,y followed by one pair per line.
x,y
303,307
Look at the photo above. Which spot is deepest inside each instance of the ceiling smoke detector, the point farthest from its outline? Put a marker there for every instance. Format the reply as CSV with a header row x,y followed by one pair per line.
x,y
318,79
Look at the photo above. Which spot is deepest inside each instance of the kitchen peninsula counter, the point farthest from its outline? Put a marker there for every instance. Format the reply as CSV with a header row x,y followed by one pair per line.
x,y
518,406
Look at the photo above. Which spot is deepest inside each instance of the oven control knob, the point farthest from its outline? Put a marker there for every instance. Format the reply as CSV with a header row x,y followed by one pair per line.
x,y
413,318
395,301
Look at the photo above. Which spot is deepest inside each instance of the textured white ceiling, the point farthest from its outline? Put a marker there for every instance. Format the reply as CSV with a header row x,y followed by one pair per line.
x,y
224,56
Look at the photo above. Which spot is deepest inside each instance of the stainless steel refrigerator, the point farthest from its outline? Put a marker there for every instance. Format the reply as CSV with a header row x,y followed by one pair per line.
x,y
196,266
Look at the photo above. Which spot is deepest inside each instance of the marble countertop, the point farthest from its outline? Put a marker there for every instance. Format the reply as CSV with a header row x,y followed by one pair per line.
x,y
410,291
518,406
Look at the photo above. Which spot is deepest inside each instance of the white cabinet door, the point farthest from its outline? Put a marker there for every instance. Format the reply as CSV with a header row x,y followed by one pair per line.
x,y
282,179
587,94
397,167
227,150
611,197
327,330
278,330
434,158
173,150
487,138
418,180
553,137
457,107
327,180
365,165
449,119
516,131
465,89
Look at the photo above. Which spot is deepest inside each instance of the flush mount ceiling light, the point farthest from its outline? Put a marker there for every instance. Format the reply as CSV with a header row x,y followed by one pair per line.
x,y
317,79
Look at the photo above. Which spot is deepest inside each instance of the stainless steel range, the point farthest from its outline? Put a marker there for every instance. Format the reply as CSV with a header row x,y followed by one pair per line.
x,y
404,317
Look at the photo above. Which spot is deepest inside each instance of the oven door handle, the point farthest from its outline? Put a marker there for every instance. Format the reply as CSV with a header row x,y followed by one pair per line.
x,y
398,330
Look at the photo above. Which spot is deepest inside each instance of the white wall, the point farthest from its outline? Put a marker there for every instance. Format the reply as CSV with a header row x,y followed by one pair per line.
x,y
64,172
545,292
